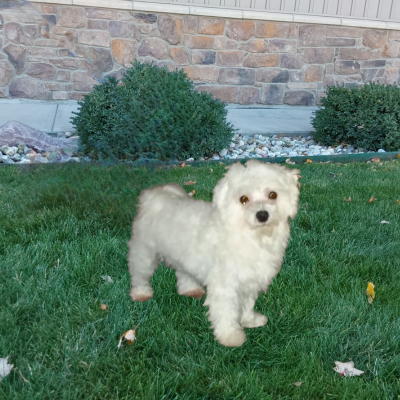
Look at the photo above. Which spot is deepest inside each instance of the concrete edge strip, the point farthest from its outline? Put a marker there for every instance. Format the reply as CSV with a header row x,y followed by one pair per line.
x,y
226,13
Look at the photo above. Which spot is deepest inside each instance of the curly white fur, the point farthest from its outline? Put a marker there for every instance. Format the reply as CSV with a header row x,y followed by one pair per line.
x,y
233,249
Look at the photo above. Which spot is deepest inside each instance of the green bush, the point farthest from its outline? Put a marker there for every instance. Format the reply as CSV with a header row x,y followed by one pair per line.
x,y
366,116
151,113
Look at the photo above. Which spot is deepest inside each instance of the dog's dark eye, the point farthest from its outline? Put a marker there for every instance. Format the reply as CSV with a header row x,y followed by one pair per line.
x,y
272,195
244,199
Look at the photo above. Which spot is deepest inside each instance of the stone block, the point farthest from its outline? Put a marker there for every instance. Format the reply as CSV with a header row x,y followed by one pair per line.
x,y
63,76
143,18
72,17
223,43
373,64
59,95
314,73
65,63
312,35
77,96
121,29
42,71
355,54
236,76
299,98
205,57
272,29
374,39
296,76
6,72
124,51
211,26
292,61
282,46
394,36
319,55
100,61
94,38
97,24
340,42
240,30
202,74
391,50
27,87
16,56
261,60
368,75
391,76
230,58
15,34
272,75
249,95
344,32
254,46
347,67
198,42
84,81
101,13
170,28
153,47
224,93
272,94
179,55
190,25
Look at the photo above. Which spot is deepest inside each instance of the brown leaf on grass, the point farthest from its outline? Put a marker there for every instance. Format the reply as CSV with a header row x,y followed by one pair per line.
x,y
183,164
103,307
372,199
398,155
376,160
189,183
298,383
191,194
370,292
344,199
308,161
398,202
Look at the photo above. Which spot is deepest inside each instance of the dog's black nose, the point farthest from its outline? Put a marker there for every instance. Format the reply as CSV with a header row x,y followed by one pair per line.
x,y
262,216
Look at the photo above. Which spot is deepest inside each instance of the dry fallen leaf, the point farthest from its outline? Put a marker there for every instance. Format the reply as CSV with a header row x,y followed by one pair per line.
x,y
289,161
372,199
5,367
189,183
398,202
349,199
298,383
385,222
191,194
103,307
347,369
183,164
308,161
370,292
376,160
398,155
129,336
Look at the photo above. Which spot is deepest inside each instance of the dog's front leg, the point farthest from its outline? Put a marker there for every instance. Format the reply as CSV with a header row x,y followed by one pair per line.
x,y
188,285
251,318
224,315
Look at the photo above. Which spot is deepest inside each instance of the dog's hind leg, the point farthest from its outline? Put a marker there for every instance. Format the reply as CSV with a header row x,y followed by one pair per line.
x,y
251,318
188,286
142,263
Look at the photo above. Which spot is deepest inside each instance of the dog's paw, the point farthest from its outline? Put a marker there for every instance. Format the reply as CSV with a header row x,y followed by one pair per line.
x,y
232,339
255,320
196,293
141,293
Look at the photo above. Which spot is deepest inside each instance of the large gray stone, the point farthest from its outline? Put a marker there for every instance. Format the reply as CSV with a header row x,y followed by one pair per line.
x,y
16,55
272,94
42,71
170,28
299,98
6,72
28,88
13,133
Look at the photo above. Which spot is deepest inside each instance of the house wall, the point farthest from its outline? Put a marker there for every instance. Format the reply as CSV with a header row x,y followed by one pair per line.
x,y
59,52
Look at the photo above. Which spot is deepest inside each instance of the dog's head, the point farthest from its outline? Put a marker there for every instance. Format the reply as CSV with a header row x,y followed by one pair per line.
x,y
257,194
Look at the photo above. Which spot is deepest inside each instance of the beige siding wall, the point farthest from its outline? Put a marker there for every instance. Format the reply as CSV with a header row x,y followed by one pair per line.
x,y
388,10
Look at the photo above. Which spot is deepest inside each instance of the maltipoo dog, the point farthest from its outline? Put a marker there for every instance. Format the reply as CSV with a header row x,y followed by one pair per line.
x,y
234,246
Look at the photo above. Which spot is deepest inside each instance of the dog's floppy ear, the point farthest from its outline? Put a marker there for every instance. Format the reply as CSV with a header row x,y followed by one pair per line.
x,y
293,180
221,189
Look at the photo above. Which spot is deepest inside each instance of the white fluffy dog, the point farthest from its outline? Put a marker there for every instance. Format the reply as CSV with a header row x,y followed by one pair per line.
x,y
234,246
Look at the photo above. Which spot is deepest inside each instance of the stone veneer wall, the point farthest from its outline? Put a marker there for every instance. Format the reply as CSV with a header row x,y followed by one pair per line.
x,y
58,52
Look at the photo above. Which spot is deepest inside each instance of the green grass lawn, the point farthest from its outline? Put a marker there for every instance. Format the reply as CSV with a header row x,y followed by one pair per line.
x,y
63,227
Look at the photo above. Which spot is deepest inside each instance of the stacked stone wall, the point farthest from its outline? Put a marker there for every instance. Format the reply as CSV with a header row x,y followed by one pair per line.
x,y
57,52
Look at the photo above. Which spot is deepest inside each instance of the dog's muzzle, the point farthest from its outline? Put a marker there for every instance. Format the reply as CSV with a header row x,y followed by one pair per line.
x,y
262,216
